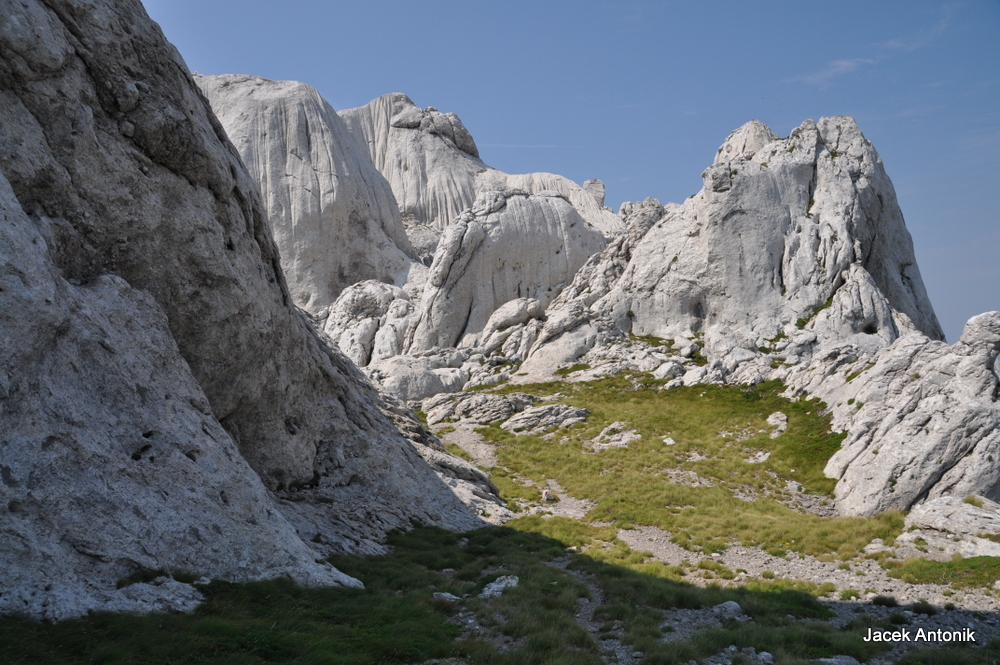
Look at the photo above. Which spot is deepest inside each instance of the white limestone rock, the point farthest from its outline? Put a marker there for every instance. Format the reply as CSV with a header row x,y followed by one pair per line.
x,y
953,514
928,423
433,166
410,377
584,201
147,307
616,435
368,321
429,158
779,228
111,460
482,408
595,188
535,419
333,215
508,245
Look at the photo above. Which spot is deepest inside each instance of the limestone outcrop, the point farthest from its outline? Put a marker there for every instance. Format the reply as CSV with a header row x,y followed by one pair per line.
x,y
779,228
583,200
333,215
509,245
433,166
156,378
927,423
428,157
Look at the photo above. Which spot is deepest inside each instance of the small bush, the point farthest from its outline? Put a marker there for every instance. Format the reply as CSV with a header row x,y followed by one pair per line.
x,y
923,607
885,601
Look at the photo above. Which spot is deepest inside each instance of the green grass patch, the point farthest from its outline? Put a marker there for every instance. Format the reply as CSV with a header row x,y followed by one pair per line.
x,y
566,371
261,622
396,619
954,655
457,451
650,339
801,323
977,571
717,429
856,373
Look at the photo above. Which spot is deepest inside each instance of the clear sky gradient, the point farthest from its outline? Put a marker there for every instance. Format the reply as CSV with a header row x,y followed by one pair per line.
x,y
641,94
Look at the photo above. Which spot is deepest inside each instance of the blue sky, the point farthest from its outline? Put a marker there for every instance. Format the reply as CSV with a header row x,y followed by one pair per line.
x,y
640,94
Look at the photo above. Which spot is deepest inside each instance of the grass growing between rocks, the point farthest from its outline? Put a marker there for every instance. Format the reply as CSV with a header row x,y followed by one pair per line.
x,y
397,619
706,468
977,571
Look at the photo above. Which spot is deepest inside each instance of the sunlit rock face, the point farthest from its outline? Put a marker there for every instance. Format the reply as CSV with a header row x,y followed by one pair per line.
x,y
156,379
781,229
509,245
333,215
433,165
928,424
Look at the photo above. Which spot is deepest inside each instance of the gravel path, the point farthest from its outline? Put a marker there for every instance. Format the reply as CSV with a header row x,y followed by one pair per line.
x,y
464,436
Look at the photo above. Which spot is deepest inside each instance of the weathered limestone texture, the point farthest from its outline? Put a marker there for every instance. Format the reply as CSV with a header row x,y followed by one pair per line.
x,y
509,245
111,459
333,215
433,166
779,228
155,375
428,157
929,424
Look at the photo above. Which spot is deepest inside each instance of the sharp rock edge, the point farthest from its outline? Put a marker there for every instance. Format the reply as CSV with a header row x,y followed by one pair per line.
x,y
154,369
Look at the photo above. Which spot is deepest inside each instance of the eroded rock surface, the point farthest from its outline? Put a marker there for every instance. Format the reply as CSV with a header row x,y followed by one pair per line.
x,y
156,376
428,157
928,423
333,215
509,245
778,230
433,166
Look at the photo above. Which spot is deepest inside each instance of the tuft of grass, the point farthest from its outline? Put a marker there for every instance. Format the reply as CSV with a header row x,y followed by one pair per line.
x,y
856,373
801,323
651,339
566,371
885,601
973,500
457,450
923,607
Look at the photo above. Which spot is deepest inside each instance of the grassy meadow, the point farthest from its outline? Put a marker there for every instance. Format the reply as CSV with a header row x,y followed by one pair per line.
x,y
703,465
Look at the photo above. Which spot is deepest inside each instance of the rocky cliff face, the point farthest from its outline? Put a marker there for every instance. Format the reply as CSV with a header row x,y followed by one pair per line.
x,y
155,371
779,231
509,245
333,215
428,157
433,166
927,423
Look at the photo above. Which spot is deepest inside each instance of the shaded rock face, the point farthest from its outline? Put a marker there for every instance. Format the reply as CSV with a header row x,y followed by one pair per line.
x,y
111,459
508,246
333,215
144,315
779,228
